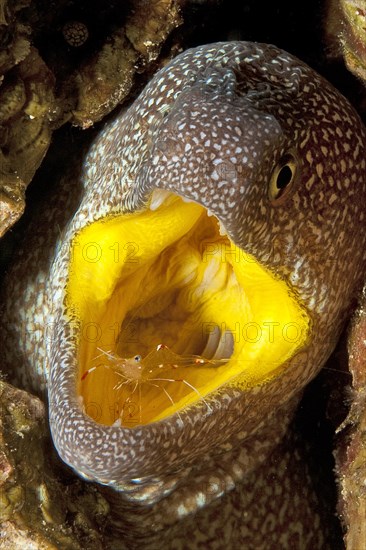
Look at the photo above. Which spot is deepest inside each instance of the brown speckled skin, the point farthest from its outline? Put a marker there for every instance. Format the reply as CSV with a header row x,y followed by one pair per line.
x,y
210,126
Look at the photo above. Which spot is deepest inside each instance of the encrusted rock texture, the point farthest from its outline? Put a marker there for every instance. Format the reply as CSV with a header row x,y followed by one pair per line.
x,y
65,61
41,505
345,36
351,445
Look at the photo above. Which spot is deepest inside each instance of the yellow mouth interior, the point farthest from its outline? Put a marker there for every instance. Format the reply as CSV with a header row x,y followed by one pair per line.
x,y
169,277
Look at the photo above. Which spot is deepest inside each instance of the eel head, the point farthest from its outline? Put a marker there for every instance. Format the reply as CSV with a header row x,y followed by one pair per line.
x,y
211,264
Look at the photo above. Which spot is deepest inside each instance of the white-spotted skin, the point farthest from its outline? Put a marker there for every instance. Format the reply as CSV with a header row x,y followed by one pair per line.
x,y
211,126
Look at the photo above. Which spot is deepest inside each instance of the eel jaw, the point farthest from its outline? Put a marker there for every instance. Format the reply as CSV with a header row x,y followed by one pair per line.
x,y
170,278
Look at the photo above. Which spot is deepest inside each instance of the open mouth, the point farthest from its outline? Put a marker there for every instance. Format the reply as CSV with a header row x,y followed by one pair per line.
x,y
170,310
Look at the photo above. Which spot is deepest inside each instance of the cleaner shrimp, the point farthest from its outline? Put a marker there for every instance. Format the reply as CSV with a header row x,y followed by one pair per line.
x,y
136,371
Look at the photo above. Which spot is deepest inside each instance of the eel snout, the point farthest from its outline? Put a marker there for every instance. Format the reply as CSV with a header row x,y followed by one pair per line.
x,y
214,149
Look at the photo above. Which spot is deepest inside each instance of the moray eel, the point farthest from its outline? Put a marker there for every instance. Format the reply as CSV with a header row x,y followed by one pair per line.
x,y
217,245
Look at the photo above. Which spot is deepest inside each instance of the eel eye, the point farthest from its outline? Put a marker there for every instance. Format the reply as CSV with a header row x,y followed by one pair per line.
x,y
137,358
282,177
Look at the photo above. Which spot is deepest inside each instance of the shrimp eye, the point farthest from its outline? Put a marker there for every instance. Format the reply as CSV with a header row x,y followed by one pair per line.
x,y
137,358
283,176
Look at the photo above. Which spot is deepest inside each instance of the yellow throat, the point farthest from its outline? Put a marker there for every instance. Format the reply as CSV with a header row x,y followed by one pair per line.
x,y
168,276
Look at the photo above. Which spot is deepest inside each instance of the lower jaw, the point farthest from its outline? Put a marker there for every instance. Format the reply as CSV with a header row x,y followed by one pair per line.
x,y
169,276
